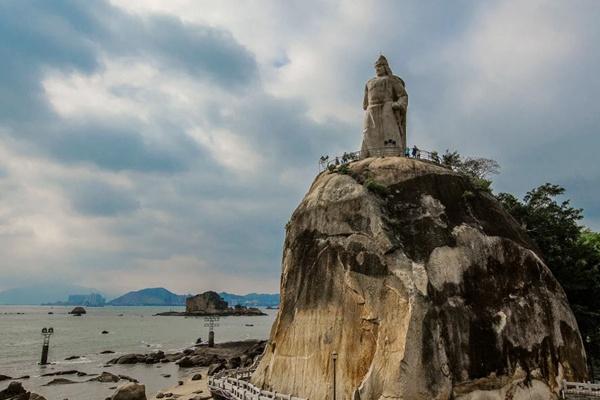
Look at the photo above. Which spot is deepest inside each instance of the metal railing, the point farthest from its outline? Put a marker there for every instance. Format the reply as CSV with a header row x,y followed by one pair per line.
x,y
572,389
235,385
326,162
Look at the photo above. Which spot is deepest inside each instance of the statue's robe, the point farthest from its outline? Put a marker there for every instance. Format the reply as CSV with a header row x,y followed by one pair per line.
x,y
384,131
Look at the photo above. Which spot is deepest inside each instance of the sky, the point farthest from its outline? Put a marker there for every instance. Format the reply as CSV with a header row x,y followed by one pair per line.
x,y
166,143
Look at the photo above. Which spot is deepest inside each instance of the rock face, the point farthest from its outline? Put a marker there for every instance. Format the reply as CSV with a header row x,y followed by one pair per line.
x,y
15,391
130,391
211,303
426,289
207,302
77,311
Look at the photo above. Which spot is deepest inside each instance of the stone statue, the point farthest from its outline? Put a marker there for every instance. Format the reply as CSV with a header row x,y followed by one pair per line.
x,y
385,107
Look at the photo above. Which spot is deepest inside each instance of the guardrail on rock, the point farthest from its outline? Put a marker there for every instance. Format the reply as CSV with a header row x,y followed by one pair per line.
x,y
575,390
326,162
235,385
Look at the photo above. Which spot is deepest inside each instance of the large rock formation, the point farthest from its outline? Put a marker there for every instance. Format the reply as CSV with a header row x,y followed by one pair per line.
x,y
424,286
212,304
207,303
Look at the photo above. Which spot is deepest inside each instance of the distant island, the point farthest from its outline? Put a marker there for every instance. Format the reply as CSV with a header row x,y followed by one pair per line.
x,y
252,299
87,300
42,294
150,297
212,304
54,295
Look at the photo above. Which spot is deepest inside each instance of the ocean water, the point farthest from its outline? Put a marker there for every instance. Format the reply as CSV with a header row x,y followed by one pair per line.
x,y
131,330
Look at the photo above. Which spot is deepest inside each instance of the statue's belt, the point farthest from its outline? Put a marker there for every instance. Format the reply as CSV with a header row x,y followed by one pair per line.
x,y
379,104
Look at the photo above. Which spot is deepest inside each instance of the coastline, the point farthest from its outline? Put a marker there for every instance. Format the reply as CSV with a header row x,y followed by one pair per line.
x,y
131,330
189,390
251,312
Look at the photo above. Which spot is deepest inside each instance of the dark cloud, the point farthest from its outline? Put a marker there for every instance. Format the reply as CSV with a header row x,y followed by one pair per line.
x,y
198,50
118,148
102,200
69,36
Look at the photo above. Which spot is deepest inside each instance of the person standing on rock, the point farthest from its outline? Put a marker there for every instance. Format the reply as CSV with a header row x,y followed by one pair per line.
x,y
385,105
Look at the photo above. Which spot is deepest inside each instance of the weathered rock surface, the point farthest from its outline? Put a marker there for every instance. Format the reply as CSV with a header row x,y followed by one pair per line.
x,y
60,381
208,302
211,303
77,311
425,287
16,391
130,391
235,354
106,377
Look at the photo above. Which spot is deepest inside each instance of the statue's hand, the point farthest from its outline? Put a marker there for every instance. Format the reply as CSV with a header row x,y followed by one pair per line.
x,y
397,107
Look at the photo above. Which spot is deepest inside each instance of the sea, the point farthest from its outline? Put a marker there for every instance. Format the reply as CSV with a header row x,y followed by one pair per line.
x,y
130,330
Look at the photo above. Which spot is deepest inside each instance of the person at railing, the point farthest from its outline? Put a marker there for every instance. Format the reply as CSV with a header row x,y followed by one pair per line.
x,y
407,152
415,152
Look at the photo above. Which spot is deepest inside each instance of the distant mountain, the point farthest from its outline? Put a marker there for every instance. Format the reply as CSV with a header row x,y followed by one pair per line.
x,y
251,299
88,300
38,294
149,297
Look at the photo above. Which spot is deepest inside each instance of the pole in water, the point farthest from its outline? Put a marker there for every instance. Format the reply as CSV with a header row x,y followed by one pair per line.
x,y
334,357
210,322
46,333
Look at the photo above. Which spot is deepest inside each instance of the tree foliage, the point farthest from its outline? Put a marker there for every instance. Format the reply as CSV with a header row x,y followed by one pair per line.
x,y
478,169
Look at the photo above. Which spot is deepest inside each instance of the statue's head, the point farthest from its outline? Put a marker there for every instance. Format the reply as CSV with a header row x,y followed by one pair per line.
x,y
382,68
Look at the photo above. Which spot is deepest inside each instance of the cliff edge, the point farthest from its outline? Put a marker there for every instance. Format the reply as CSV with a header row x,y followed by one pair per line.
x,y
424,286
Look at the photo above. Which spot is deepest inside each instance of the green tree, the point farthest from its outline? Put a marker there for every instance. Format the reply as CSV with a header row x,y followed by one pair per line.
x,y
478,169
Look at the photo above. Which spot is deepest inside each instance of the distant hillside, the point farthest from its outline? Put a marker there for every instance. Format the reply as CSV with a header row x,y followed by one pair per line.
x,y
88,300
149,297
251,299
38,294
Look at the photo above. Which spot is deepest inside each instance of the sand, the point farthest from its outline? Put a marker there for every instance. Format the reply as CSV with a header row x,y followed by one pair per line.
x,y
190,390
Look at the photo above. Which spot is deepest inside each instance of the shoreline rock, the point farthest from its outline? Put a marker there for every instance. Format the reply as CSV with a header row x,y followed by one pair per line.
x,y
16,391
130,391
226,313
229,354
78,311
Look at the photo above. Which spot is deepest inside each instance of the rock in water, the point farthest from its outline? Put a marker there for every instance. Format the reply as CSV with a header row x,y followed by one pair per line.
x,y
130,391
105,377
15,391
77,311
424,286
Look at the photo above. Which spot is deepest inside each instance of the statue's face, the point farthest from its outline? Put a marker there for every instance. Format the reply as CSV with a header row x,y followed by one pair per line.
x,y
380,70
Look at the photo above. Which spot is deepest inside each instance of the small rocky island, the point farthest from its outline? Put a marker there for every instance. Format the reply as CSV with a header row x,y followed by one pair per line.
x,y
211,304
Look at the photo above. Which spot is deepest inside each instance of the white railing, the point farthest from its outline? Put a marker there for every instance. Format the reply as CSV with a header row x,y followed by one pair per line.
x,y
235,385
326,162
580,388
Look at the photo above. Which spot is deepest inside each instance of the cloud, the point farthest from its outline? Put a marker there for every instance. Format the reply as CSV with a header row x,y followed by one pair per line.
x,y
161,143
101,199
